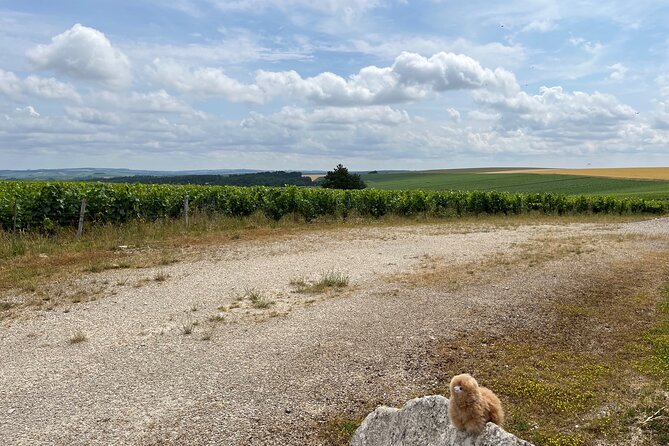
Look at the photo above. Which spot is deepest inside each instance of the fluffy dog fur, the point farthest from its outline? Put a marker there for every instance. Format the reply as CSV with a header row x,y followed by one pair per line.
x,y
472,406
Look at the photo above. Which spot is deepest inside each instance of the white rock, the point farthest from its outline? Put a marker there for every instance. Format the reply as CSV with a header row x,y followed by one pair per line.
x,y
424,421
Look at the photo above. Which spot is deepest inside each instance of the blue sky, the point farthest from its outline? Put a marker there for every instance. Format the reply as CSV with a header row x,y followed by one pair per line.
x,y
297,84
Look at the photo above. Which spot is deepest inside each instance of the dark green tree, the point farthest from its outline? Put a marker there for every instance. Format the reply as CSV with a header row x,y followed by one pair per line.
x,y
340,178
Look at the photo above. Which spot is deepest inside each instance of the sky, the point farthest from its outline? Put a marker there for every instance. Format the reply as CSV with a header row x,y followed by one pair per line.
x,y
304,84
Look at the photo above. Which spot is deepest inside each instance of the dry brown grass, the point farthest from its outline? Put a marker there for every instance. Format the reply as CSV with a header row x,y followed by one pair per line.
x,y
30,264
648,173
435,271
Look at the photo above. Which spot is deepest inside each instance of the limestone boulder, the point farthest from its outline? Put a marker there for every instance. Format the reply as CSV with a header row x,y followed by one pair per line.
x,y
424,422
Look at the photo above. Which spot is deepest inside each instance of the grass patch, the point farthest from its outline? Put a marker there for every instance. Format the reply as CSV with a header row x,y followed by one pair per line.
x,y
161,276
328,280
187,325
338,431
655,343
258,300
595,370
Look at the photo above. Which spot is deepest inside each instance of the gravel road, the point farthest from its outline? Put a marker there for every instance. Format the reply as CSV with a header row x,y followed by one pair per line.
x,y
275,375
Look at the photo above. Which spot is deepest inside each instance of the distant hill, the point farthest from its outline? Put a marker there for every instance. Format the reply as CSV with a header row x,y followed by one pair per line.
x,y
85,173
278,178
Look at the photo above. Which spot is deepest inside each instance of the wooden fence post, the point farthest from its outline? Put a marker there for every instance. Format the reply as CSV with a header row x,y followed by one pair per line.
x,y
14,222
80,228
186,213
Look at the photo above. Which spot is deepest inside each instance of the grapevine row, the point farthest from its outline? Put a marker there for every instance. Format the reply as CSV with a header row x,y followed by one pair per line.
x,y
40,205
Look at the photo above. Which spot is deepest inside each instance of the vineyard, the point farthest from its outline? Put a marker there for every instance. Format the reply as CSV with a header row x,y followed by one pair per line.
x,y
45,205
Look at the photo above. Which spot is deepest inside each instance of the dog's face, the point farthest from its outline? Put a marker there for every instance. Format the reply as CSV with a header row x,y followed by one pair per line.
x,y
463,384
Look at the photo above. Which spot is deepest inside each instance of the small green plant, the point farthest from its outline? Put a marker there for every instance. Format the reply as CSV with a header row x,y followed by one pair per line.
x,y
258,300
333,279
328,280
206,336
339,430
187,325
78,337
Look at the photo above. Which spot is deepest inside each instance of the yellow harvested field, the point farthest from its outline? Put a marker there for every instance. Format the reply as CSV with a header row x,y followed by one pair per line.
x,y
648,173
314,177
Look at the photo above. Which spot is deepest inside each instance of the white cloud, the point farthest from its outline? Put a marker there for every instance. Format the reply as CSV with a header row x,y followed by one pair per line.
x,y
448,71
44,88
151,102
296,117
92,116
586,45
453,114
541,25
618,72
10,84
493,54
83,53
49,88
27,111
236,47
411,77
553,108
202,82
661,115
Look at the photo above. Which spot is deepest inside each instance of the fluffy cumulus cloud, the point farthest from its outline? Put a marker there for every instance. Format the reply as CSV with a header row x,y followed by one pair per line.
x,y
494,54
554,108
411,77
83,53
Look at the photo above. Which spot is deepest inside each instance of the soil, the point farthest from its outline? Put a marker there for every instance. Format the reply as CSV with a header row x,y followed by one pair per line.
x,y
248,375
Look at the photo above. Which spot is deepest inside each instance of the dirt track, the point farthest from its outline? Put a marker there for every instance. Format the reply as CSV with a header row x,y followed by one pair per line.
x,y
274,375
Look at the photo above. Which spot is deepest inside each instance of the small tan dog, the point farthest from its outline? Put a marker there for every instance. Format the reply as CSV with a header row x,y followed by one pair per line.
x,y
471,406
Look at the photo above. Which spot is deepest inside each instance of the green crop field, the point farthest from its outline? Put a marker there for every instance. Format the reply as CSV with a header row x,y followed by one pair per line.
x,y
469,180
